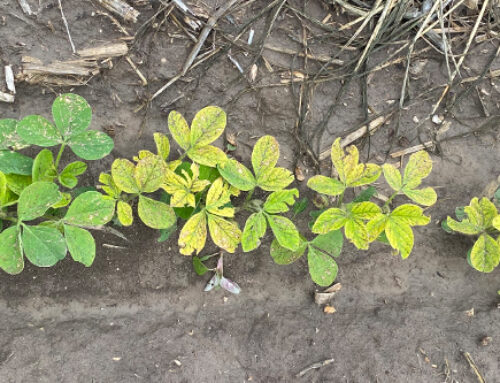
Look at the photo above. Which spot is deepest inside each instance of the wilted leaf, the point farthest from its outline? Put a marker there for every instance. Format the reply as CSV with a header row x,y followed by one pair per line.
x,y
81,244
365,195
36,199
166,233
11,258
199,267
229,285
300,206
43,246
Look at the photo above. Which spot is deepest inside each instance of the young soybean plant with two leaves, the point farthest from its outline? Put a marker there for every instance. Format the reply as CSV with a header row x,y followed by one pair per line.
x,y
29,193
363,221
480,219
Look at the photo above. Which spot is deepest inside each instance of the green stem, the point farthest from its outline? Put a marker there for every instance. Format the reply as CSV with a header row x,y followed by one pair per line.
x,y
390,199
341,199
59,155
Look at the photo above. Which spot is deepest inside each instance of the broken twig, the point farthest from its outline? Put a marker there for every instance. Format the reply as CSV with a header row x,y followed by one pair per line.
x,y
65,22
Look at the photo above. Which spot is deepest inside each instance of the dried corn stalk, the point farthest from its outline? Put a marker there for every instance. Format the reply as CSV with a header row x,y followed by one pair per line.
x,y
120,8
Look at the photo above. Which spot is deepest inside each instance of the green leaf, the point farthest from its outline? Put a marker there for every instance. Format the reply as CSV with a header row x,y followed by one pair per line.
x,y
81,244
418,167
17,183
326,185
322,268
15,163
365,195
43,167
255,228
3,189
485,254
330,243
330,219
179,129
149,173
199,267
208,124
207,155
225,234
7,132
283,256
11,258
68,178
37,130
43,246
284,231
300,206
122,172
460,213
194,234
162,145
155,214
72,114
279,201
265,154
446,227
90,209
274,179
124,213
64,201
166,233
36,199
237,175
91,145
208,173
393,177
496,196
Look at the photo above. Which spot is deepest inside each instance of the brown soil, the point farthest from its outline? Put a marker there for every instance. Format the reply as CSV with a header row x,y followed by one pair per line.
x,y
127,318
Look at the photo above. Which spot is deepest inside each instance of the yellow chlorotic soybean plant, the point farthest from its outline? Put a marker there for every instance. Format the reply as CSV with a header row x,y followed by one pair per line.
x,y
201,192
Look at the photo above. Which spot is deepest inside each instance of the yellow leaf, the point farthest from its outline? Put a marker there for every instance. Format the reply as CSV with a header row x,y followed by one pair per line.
x,y
122,172
207,155
400,236
481,212
172,165
426,196
194,234
418,167
485,254
255,228
179,129
218,194
265,154
355,231
124,213
326,185
376,226
208,124
488,211
410,215
392,176
496,222
369,173
331,219
464,227
337,155
162,145
364,210
150,173
225,234
274,179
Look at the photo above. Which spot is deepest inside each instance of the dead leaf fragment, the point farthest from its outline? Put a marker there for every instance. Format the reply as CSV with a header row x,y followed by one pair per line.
x,y
321,297
329,309
231,138
485,341
299,174
470,313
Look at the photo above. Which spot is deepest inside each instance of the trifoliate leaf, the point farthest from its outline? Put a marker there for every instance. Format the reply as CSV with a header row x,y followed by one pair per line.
x,y
326,185
194,234
279,201
237,175
91,145
124,213
155,214
11,258
72,114
90,209
43,246
36,199
485,254
179,129
284,231
81,244
255,228
37,130
225,234
208,124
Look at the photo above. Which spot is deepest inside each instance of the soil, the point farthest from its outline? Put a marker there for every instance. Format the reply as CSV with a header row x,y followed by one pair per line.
x,y
139,313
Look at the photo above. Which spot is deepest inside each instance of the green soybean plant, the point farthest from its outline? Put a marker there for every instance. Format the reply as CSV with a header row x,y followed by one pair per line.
x,y
481,221
39,219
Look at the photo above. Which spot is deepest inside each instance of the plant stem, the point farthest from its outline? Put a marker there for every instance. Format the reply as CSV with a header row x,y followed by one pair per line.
x,y
390,199
247,199
341,199
59,155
